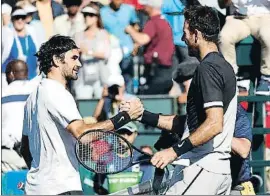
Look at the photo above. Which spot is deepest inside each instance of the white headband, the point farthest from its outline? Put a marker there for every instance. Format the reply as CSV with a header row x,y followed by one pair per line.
x,y
89,10
19,12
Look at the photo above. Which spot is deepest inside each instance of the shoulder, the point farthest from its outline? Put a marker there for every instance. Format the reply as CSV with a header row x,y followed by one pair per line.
x,y
79,17
104,9
206,67
128,7
6,91
217,60
60,18
57,5
215,63
79,36
104,33
54,89
149,23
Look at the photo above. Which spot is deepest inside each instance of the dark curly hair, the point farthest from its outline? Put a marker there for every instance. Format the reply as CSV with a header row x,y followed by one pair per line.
x,y
57,45
205,19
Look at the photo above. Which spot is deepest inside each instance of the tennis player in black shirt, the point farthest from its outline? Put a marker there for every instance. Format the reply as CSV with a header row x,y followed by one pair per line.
x,y
211,113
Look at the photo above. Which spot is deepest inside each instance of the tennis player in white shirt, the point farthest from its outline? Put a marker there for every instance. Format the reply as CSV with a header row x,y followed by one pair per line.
x,y
52,122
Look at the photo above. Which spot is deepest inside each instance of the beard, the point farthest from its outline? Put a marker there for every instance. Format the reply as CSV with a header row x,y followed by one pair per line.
x,y
70,74
193,51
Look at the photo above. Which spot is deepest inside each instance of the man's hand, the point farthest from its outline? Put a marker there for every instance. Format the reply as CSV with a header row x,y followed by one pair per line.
x,y
133,107
128,29
163,158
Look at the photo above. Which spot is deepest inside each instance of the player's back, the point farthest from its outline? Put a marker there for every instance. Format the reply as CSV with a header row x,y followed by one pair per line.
x,y
54,168
14,97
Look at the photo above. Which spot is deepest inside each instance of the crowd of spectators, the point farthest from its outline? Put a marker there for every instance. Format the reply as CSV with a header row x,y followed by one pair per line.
x,y
128,47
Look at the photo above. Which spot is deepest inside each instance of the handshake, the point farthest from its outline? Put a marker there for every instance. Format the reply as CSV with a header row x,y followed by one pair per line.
x,y
133,107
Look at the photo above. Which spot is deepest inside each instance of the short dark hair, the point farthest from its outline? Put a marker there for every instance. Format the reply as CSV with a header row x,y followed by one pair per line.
x,y
12,64
205,19
69,3
57,45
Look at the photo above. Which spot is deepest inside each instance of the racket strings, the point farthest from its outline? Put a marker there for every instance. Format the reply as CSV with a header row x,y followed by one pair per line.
x,y
103,152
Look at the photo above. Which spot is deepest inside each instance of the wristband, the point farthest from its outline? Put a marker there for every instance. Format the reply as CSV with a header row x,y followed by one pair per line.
x,y
182,147
150,118
120,120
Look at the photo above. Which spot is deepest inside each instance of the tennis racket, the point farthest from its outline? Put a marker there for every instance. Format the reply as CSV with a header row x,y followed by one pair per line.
x,y
106,152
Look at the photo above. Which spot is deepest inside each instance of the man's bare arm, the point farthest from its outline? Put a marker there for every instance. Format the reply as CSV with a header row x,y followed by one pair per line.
x,y
241,146
212,126
166,122
78,127
138,37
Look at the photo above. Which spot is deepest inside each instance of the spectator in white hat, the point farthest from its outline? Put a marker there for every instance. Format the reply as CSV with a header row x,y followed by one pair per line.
x,y
94,43
20,42
72,22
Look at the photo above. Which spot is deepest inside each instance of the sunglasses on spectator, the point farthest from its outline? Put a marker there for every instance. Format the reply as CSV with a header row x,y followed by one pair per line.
x,y
18,17
89,14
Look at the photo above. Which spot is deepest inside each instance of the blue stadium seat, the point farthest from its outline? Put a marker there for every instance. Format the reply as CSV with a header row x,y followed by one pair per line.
x,y
10,181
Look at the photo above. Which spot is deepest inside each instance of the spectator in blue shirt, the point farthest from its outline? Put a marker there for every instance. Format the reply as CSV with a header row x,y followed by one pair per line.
x,y
240,156
116,17
21,43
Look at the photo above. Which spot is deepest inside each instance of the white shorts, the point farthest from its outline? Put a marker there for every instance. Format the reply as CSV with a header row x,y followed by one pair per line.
x,y
198,181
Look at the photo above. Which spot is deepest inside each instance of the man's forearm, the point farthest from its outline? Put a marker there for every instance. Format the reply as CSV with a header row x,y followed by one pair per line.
x,y
82,127
164,122
105,125
207,131
99,108
78,127
241,146
138,37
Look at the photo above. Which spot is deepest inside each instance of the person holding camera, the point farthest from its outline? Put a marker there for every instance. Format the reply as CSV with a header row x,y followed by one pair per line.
x,y
112,95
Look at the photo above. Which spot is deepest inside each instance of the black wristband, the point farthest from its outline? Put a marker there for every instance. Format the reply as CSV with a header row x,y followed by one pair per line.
x,y
150,118
120,120
182,147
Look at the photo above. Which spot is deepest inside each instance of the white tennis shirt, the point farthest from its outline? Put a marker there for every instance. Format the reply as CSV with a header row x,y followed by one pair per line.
x,y
54,168
14,97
